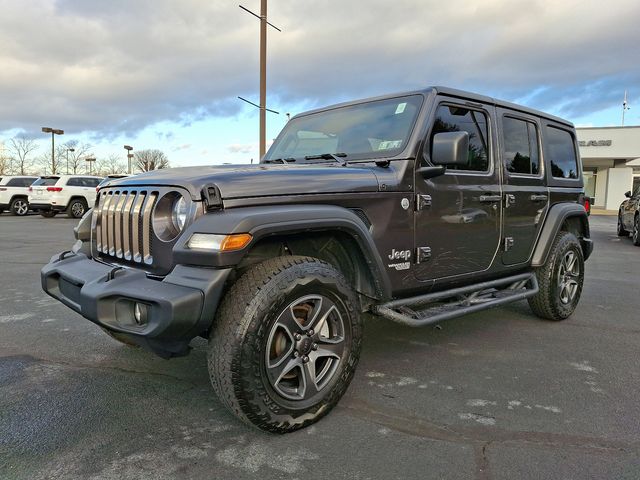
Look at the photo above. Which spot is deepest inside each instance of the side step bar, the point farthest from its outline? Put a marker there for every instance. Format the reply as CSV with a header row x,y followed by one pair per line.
x,y
458,301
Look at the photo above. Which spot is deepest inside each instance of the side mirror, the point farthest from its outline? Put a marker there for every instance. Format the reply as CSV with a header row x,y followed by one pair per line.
x,y
450,148
627,194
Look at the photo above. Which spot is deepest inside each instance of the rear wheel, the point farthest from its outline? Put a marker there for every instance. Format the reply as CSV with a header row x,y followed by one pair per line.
x,y
76,208
560,279
285,343
19,206
48,213
621,231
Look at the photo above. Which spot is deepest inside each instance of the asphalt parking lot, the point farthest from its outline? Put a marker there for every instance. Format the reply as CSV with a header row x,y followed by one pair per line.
x,y
495,395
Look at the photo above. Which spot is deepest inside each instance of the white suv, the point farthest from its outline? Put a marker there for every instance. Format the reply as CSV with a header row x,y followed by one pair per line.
x,y
14,192
58,193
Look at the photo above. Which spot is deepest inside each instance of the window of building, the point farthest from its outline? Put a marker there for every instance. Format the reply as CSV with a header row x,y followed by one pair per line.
x,y
451,118
521,153
564,162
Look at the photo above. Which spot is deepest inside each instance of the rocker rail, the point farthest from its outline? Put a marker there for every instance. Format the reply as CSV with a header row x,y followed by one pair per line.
x,y
476,297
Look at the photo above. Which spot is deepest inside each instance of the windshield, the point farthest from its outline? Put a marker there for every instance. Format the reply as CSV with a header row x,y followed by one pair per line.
x,y
374,129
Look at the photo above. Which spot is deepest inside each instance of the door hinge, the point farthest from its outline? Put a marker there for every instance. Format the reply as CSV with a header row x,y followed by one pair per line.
x,y
508,243
423,201
422,254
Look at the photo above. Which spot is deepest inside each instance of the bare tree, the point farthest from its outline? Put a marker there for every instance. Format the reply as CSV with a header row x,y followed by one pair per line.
x,y
75,157
111,164
151,159
5,164
21,149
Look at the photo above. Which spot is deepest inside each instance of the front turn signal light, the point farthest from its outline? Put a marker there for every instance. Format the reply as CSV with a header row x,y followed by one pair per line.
x,y
219,243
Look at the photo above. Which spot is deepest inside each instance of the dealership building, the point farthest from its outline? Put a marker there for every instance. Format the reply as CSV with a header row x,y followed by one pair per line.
x,y
611,163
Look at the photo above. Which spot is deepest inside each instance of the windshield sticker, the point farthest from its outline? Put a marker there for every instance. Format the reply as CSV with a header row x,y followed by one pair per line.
x,y
389,144
400,108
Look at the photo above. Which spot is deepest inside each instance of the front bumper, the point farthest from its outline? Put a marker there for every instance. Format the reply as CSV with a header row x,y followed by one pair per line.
x,y
179,307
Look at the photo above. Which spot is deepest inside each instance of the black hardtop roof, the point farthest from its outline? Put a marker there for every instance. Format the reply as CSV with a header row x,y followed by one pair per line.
x,y
452,92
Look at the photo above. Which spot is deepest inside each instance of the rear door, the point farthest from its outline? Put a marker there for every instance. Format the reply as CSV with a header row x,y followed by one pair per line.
x,y
526,196
458,220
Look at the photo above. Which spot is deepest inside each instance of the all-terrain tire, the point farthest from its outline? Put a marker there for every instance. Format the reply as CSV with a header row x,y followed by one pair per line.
x,y
635,235
552,301
239,345
77,208
620,229
19,206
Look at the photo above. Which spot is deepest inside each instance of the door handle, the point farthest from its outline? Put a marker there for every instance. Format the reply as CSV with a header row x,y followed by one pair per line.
x,y
538,198
490,198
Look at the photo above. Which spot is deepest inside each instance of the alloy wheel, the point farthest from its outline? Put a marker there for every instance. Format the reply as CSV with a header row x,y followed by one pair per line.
x,y
77,209
21,207
568,275
305,347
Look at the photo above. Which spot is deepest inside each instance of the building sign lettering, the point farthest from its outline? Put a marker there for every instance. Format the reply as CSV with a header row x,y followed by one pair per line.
x,y
594,143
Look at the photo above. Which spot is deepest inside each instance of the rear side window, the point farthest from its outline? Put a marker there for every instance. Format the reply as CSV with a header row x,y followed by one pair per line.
x,y
48,181
451,118
19,182
562,153
520,140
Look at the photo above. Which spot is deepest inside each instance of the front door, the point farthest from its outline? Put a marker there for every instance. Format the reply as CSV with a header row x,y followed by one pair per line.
x,y
525,194
458,219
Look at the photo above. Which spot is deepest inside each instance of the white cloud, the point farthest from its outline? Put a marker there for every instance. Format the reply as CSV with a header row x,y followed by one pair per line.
x,y
120,66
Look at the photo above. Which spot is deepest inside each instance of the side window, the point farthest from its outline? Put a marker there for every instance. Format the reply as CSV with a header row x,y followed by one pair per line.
x,y
14,182
74,182
521,153
92,182
451,118
564,162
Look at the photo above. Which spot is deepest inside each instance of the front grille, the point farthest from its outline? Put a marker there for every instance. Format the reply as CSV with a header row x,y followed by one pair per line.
x,y
122,226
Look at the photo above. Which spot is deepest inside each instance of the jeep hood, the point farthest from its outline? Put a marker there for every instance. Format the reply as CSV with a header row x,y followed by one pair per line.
x,y
242,181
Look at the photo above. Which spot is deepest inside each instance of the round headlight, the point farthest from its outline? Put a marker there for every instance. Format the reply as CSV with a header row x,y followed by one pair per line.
x,y
179,213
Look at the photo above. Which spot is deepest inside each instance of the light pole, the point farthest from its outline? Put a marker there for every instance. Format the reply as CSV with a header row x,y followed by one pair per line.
x,y
90,160
128,148
69,150
53,132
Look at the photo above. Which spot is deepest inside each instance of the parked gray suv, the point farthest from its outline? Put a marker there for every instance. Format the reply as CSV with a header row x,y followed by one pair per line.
x,y
416,207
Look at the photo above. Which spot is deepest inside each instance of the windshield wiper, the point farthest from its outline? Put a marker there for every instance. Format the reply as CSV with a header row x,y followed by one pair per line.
x,y
280,160
328,156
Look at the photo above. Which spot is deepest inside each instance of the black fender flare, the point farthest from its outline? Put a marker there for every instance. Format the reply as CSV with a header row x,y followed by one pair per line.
x,y
264,221
556,217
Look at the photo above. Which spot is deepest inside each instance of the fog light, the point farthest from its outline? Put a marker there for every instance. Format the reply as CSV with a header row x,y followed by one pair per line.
x,y
140,313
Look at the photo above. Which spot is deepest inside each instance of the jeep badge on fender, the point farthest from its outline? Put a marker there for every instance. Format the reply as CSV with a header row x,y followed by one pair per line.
x,y
277,263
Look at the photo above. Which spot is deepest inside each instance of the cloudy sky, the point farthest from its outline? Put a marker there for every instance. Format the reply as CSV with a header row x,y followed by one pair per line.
x,y
166,73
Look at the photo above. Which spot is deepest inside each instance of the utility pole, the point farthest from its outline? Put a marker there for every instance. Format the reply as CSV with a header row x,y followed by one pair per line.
x,y
263,74
625,106
53,133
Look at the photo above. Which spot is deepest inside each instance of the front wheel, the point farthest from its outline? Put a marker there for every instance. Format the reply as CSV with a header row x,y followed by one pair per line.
x,y
560,279
76,208
285,343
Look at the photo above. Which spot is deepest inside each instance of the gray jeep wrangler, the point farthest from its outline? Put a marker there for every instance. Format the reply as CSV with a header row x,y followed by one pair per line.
x,y
416,207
